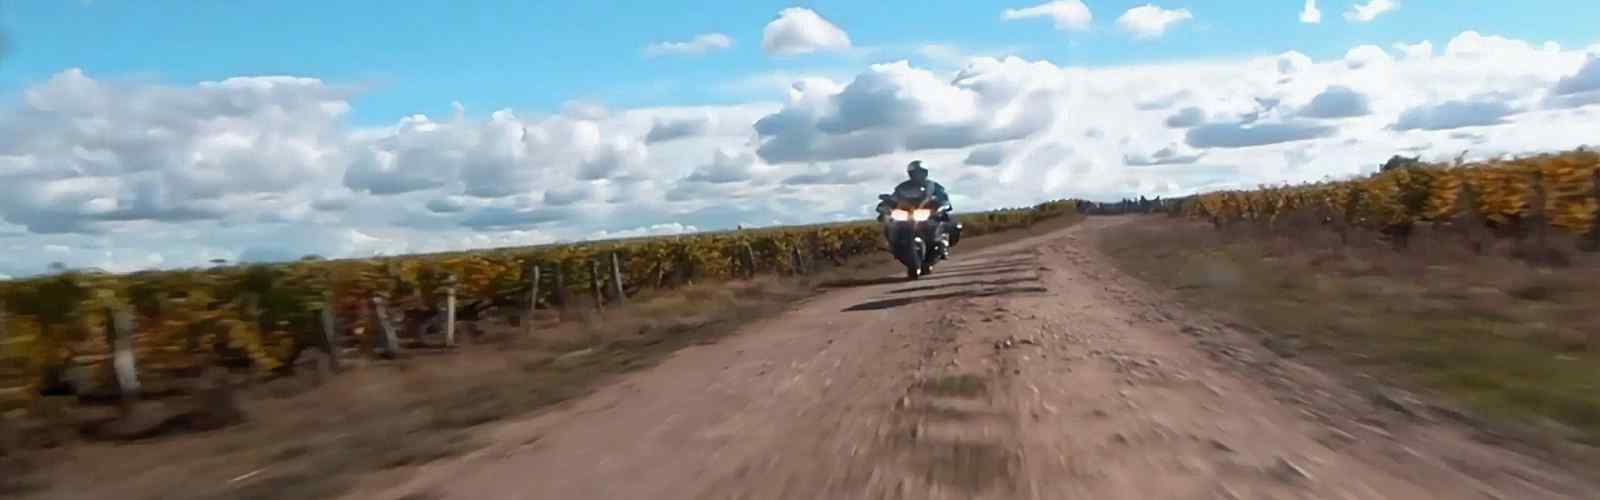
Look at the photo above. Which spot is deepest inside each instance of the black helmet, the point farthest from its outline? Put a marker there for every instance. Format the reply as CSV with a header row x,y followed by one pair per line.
x,y
915,170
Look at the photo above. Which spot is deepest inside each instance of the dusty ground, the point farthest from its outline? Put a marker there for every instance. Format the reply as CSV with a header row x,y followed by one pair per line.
x,y
1027,370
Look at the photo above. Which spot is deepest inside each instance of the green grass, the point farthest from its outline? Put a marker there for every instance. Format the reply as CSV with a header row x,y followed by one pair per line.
x,y
1503,339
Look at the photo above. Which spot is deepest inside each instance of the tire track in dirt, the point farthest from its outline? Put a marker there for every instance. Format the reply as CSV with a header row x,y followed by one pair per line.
x,y
1029,370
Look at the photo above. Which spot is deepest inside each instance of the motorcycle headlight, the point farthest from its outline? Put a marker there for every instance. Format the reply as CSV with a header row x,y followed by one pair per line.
x,y
922,214
900,215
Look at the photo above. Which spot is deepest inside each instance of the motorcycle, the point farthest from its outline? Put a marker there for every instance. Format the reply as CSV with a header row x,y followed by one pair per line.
x,y
913,224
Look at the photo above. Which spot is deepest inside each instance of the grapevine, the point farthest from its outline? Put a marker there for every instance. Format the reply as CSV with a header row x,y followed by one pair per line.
x,y
1519,195
260,317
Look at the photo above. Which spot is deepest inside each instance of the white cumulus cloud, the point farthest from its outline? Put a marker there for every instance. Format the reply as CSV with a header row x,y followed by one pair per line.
x,y
1338,102
802,31
1471,44
1419,50
1579,89
1172,154
84,155
666,229
1067,15
1293,62
1150,21
700,44
132,175
1310,14
1477,112
898,107
670,130
1364,56
987,156
1586,80
725,167
1187,117
1362,13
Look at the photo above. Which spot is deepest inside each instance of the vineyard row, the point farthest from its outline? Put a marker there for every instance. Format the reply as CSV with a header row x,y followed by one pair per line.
x,y
61,333
1531,198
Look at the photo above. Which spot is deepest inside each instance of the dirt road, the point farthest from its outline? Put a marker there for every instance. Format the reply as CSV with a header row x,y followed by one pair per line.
x,y
1029,370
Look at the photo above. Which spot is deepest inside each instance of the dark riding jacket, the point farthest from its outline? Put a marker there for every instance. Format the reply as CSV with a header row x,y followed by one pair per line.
x,y
935,188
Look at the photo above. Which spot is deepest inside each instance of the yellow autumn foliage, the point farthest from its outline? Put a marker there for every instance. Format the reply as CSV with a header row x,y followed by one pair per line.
x,y
1560,188
264,314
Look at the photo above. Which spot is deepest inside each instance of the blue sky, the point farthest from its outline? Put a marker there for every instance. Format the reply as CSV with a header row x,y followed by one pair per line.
x,y
418,57
156,134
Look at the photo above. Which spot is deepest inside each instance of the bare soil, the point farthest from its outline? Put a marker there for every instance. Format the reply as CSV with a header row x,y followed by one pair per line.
x,y
1034,369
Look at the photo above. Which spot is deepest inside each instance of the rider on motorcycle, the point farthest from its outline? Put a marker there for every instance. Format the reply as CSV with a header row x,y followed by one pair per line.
x,y
919,177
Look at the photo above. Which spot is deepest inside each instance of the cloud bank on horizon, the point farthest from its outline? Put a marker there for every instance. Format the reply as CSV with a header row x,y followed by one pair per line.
x,y
125,174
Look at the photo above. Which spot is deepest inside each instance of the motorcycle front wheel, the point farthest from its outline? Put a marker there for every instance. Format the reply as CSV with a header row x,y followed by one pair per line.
x,y
914,267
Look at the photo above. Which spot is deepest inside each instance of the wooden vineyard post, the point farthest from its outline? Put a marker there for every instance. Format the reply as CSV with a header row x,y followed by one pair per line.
x,y
750,260
4,322
383,336
1590,241
559,294
533,294
1351,215
594,285
747,257
799,262
1538,223
735,259
120,328
1473,224
450,311
330,335
661,275
617,292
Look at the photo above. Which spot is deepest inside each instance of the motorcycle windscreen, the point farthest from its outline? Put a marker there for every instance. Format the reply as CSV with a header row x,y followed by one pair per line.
x,y
909,197
911,192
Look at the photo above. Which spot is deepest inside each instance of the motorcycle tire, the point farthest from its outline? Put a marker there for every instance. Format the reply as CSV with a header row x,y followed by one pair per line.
x,y
914,268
